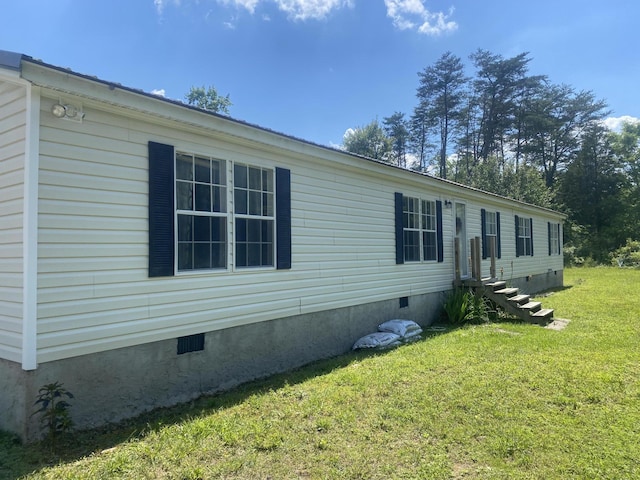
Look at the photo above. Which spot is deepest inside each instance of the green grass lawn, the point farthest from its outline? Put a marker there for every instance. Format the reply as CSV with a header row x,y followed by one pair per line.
x,y
496,401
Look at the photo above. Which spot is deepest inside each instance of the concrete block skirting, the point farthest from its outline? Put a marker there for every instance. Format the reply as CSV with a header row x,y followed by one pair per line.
x,y
114,385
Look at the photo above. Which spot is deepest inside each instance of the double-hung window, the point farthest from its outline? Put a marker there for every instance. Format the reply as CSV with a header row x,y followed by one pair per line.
x,y
490,233
419,222
254,216
201,212
524,236
554,238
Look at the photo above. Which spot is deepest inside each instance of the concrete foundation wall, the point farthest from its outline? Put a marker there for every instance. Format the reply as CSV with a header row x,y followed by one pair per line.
x,y
117,384
537,283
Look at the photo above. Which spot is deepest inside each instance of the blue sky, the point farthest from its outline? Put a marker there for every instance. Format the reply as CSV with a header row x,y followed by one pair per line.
x,y
314,68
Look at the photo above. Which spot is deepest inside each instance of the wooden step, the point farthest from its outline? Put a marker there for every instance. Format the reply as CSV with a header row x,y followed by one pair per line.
x,y
545,313
507,292
496,285
531,306
520,299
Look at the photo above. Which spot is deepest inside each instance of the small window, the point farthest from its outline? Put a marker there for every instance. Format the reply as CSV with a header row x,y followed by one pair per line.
x,y
554,239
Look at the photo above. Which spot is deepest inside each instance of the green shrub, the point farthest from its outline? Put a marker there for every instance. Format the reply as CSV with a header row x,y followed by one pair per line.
x,y
628,255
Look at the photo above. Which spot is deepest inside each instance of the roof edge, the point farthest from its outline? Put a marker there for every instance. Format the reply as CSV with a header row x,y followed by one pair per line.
x,y
11,60
14,61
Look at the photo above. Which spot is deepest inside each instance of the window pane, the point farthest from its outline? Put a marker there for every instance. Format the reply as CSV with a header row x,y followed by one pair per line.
x,y
267,204
253,255
240,176
185,256
241,255
241,230
219,199
240,202
255,203
253,231
219,255
184,167
267,254
429,245
267,180
203,170
411,246
255,178
185,228
217,172
203,197
219,229
184,195
201,229
202,255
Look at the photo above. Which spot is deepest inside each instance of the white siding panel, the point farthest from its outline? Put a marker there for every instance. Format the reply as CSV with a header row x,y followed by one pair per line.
x,y
12,148
93,288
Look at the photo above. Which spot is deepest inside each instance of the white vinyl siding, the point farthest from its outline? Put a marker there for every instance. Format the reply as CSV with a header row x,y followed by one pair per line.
x,y
94,292
12,147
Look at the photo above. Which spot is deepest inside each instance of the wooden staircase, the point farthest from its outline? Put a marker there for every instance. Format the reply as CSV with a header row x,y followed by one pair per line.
x,y
514,302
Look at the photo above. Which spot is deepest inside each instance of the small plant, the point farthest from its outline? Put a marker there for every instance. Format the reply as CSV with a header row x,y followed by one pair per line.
x,y
54,410
456,306
478,310
463,306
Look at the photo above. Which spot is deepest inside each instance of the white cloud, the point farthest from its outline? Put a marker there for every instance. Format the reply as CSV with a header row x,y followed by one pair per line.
x,y
161,5
615,123
249,5
310,9
412,14
160,92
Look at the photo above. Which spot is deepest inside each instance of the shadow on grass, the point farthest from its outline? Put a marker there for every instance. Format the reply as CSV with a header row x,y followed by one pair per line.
x,y
18,460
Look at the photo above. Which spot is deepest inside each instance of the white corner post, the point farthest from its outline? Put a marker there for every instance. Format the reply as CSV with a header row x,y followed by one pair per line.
x,y
30,230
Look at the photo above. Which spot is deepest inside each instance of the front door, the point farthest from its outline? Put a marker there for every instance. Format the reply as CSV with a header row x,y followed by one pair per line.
x,y
461,236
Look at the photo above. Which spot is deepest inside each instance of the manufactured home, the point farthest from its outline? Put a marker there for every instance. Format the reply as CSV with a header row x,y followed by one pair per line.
x,y
151,252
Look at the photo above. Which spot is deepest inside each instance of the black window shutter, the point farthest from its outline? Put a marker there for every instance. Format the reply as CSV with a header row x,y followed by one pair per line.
x,y
283,218
439,233
498,243
399,229
483,230
531,229
161,212
517,235
549,236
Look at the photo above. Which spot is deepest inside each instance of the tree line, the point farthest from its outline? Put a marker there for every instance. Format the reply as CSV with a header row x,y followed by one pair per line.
x,y
520,135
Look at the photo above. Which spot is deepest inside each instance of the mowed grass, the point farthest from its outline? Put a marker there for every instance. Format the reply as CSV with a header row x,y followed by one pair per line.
x,y
496,401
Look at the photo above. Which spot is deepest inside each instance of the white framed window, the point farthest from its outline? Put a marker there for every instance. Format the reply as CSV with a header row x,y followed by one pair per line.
x,y
201,212
524,246
554,239
254,216
419,222
205,215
